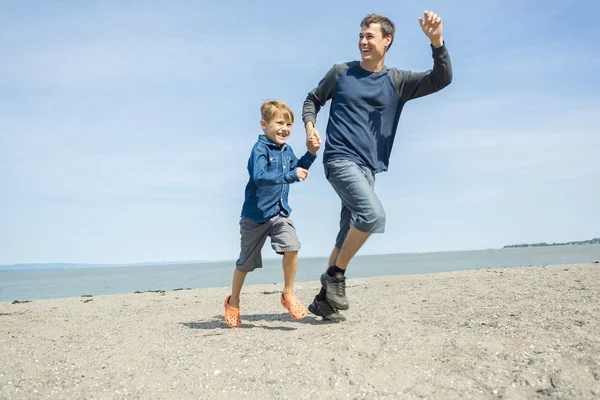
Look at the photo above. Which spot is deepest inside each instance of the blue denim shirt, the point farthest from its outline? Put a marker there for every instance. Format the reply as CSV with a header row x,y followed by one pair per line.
x,y
272,168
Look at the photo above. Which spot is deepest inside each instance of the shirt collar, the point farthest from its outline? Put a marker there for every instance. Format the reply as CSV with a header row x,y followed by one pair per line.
x,y
264,139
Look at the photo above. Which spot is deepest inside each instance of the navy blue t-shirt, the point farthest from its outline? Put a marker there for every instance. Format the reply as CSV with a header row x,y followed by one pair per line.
x,y
366,107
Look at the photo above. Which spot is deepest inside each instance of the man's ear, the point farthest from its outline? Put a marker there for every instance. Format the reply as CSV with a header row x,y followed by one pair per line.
x,y
263,124
388,41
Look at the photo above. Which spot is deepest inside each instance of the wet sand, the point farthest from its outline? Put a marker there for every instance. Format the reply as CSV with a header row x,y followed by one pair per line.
x,y
527,332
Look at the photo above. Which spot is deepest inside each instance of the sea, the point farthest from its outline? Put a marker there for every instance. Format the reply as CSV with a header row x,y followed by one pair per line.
x,y
48,281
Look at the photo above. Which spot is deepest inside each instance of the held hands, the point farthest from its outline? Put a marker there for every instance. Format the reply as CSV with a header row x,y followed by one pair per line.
x,y
302,173
431,25
313,144
313,139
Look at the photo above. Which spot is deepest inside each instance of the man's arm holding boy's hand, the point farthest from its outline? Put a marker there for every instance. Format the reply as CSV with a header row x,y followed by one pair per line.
x,y
312,135
313,143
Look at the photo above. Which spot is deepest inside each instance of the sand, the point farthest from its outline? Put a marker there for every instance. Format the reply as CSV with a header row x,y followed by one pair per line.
x,y
527,332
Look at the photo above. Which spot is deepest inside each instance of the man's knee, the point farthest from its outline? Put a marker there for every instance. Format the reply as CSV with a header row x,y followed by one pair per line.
x,y
372,221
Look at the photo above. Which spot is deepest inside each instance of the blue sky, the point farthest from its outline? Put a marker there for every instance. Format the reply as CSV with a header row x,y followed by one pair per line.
x,y
125,128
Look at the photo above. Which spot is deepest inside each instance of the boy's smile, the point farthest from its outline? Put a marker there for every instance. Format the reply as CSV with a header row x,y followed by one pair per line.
x,y
278,129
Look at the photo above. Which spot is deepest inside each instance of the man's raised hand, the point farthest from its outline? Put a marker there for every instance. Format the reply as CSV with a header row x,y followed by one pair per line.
x,y
431,24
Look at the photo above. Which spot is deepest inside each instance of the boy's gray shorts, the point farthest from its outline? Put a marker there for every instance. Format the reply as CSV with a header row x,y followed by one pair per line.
x,y
283,236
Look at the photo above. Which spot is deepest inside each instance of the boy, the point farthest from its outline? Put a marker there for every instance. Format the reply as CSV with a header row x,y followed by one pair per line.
x,y
272,167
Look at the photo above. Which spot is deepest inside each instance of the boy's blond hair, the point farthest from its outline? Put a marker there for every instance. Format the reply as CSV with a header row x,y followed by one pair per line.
x,y
271,108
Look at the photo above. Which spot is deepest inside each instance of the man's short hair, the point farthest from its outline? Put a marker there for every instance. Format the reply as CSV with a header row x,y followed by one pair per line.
x,y
387,27
271,108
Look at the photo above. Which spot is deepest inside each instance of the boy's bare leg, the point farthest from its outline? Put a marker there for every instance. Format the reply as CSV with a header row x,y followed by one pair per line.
x,y
290,264
236,287
353,242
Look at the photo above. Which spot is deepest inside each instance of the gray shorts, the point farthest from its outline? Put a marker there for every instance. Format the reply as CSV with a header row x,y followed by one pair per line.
x,y
283,236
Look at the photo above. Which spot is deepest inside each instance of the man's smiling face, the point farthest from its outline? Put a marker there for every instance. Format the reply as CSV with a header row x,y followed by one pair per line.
x,y
372,44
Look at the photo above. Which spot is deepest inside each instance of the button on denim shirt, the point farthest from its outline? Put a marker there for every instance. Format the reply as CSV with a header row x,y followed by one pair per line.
x,y
272,168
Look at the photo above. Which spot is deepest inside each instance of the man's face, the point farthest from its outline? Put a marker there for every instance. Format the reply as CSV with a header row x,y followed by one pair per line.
x,y
278,129
372,44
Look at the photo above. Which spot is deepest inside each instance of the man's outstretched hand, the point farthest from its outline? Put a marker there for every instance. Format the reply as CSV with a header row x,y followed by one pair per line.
x,y
431,24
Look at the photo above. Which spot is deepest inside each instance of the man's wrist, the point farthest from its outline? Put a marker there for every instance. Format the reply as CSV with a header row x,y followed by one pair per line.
x,y
438,42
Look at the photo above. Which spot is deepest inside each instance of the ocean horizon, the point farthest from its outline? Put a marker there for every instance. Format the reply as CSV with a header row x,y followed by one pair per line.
x,y
58,280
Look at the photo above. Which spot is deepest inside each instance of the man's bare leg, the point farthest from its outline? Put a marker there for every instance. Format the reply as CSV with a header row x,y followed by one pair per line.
x,y
334,256
353,242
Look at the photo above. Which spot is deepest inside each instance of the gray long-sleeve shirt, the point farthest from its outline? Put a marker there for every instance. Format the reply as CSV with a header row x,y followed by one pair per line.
x,y
366,107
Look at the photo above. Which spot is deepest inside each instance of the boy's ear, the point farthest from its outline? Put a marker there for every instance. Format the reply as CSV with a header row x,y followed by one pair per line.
x,y
263,124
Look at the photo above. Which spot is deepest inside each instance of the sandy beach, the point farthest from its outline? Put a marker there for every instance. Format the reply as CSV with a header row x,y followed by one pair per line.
x,y
528,332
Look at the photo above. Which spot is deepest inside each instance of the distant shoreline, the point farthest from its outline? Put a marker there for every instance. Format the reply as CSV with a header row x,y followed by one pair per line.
x,y
544,244
36,267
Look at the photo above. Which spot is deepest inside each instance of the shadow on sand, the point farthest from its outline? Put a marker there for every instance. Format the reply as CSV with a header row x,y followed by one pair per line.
x,y
217,322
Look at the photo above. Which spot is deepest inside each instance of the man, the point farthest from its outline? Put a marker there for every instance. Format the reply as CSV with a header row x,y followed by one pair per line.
x,y
366,102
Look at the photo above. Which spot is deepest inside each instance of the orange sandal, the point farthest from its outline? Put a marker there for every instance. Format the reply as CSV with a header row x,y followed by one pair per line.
x,y
295,308
232,315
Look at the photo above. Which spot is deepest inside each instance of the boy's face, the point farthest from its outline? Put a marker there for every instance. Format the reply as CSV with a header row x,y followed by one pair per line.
x,y
372,44
278,129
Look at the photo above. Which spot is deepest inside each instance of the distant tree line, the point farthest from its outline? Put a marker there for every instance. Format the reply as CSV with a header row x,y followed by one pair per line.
x,y
591,241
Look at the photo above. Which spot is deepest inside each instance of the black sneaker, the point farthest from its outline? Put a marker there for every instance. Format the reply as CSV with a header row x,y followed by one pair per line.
x,y
335,288
323,309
